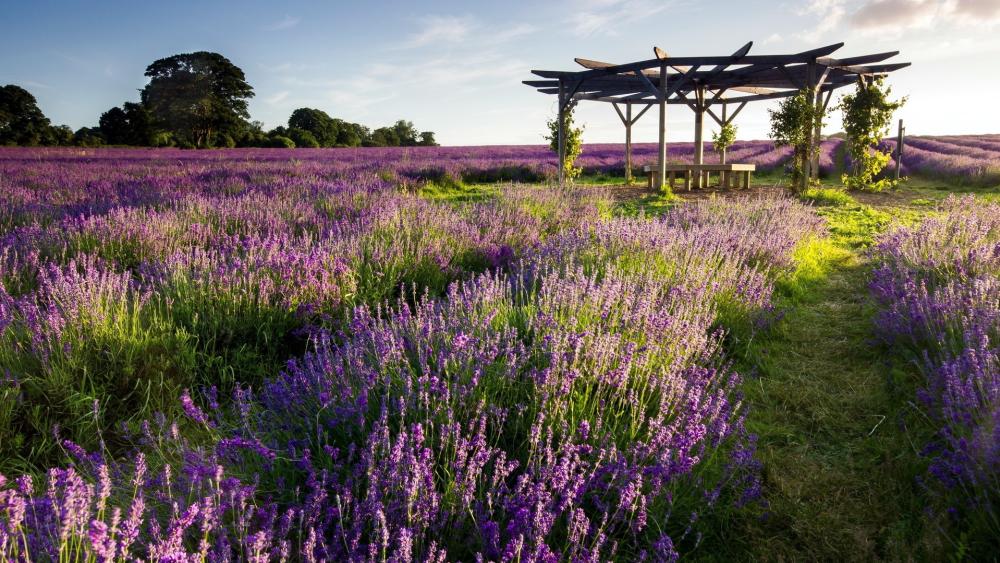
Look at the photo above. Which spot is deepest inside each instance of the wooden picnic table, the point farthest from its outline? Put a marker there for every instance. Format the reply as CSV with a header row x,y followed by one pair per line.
x,y
729,174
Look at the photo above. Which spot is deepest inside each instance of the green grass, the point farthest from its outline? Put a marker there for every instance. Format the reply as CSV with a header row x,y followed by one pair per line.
x,y
837,435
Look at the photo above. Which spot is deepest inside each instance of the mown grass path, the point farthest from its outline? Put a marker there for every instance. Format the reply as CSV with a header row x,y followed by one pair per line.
x,y
839,462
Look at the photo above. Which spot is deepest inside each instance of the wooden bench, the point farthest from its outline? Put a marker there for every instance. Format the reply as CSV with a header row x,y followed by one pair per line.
x,y
700,174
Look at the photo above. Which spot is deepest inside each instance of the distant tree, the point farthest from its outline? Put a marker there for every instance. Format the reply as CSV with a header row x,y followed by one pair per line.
x,y
384,137
303,139
197,95
114,126
351,134
59,136
322,127
88,137
406,133
792,124
251,135
574,141
21,121
130,124
867,116
279,142
427,139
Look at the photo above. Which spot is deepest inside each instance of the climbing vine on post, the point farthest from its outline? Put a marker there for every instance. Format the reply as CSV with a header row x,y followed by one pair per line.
x,y
574,140
867,117
723,139
792,124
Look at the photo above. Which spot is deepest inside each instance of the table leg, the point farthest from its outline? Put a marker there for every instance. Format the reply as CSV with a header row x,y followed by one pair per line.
x,y
746,180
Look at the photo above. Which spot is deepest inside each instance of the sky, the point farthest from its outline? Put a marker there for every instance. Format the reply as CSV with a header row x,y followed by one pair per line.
x,y
456,67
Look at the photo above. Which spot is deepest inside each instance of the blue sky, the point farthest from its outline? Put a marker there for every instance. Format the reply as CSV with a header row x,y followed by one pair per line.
x,y
455,67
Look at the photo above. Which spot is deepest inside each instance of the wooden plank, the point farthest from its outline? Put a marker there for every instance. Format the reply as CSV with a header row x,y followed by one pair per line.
x,y
803,57
860,60
735,167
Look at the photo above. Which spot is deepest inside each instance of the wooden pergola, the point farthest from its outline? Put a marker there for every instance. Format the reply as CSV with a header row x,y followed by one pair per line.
x,y
704,83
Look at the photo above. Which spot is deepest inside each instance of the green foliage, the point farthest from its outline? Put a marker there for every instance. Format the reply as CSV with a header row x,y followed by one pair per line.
x,y
117,364
88,137
197,95
827,197
867,116
303,139
279,142
317,123
724,138
131,124
400,134
21,121
792,124
574,141
427,139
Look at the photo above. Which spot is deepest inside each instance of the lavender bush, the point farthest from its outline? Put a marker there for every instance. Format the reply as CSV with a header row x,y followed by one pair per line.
x,y
939,285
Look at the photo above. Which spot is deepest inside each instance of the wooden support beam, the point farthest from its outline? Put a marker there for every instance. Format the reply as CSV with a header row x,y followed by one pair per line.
x,y
628,143
641,112
649,84
735,113
662,165
699,126
562,133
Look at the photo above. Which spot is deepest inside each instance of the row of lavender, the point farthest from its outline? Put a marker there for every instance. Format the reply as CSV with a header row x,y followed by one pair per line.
x,y
471,164
965,159
522,378
939,287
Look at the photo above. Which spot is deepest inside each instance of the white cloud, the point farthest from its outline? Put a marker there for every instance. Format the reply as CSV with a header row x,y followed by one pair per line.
x,y
442,29
896,14
607,16
287,22
773,38
827,14
988,10
277,97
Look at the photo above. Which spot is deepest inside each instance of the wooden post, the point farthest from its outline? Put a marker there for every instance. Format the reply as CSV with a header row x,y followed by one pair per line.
x,y
628,144
810,138
899,148
662,172
725,121
699,144
817,139
562,133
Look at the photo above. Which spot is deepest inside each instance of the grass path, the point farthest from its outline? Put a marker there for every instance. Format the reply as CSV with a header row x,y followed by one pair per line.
x,y
839,466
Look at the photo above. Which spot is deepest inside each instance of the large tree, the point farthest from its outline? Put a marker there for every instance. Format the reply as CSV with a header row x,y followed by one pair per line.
x,y
21,121
197,96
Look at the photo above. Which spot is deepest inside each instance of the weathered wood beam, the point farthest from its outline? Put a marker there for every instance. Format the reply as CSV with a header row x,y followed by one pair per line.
x,y
664,96
860,60
649,84
735,113
561,132
803,57
871,69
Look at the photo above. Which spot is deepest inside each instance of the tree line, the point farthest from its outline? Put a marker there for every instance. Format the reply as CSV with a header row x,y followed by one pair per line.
x,y
194,100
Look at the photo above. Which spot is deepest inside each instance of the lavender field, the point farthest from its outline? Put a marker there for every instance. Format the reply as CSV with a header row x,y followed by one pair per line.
x,y
973,160
257,355
254,358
